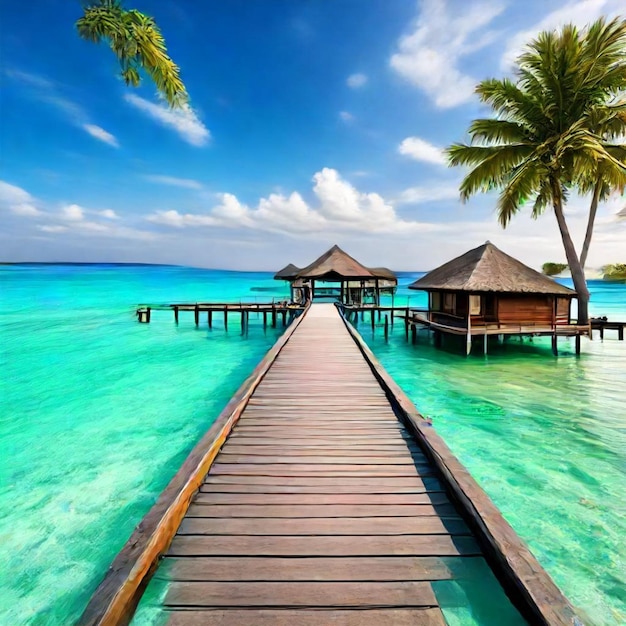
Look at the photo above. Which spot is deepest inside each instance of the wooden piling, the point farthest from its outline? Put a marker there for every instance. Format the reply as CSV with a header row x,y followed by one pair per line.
x,y
284,314
196,315
273,316
555,350
386,327
414,334
578,344
264,319
226,319
210,318
373,319
176,314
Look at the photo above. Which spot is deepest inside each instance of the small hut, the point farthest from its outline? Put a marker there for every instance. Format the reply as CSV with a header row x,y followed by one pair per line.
x,y
487,292
337,275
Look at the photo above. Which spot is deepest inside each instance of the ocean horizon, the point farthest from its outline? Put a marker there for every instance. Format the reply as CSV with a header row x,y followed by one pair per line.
x,y
99,411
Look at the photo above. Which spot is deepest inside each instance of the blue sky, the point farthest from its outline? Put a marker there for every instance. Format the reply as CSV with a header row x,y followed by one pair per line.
x,y
311,123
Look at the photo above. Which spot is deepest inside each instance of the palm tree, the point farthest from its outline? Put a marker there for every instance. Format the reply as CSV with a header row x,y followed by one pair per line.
x,y
553,131
137,43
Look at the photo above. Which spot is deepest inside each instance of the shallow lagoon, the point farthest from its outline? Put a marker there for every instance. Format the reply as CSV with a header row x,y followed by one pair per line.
x,y
98,412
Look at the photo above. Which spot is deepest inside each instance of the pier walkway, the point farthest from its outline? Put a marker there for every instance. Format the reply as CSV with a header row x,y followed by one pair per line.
x,y
319,501
328,500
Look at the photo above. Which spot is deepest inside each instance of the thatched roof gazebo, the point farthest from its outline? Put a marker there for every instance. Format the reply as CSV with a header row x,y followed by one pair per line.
x,y
289,272
487,292
355,280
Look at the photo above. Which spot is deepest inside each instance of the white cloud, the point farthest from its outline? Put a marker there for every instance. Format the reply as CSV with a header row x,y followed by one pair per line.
x,y
355,81
110,214
580,12
101,135
340,207
432,193
184,120
72,213
186,183
180,220
49,228
428,57
17,200
346,117
422,150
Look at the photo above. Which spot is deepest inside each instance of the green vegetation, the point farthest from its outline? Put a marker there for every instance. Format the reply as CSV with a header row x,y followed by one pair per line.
x,y
616,271
137,43
556,130
552,269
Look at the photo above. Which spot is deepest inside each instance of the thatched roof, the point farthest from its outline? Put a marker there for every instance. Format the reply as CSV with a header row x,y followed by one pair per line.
x,y
288,272
337,265
488,269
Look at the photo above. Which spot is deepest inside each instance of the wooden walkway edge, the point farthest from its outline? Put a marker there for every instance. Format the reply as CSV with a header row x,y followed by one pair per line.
x,y
332,501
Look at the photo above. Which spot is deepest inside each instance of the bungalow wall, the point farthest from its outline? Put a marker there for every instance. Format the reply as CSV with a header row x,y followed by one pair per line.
x,y
452,308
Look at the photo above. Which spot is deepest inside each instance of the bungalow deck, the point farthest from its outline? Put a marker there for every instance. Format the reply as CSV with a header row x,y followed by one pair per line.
x,y
320,495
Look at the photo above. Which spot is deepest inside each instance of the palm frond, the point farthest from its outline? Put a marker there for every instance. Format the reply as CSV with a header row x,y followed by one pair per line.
x,y
138,44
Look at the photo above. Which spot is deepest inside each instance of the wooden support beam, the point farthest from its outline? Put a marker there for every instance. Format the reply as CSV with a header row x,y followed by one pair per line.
x,y
226,318
264,319
485,343
196,315
273,316
414,333
284,314
373,319
620,333
210,318
578,344
176,314
387,326
555,349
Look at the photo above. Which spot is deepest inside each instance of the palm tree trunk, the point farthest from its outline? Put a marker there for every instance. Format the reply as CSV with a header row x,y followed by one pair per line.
x,y
593,209
575,266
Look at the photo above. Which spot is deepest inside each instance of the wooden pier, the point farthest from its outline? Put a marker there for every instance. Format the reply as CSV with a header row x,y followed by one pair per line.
x,y
270,311
319,496
602,324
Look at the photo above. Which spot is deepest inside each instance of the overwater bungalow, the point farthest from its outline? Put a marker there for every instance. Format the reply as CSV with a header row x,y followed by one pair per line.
x,y
487,292
337,275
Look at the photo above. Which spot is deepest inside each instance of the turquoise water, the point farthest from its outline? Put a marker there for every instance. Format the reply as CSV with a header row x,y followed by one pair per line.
x,y
99,411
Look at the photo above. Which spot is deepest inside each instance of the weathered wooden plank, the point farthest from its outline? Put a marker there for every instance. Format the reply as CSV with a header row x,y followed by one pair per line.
x,y
320,498
314,510
384,545
307,568
304,594
315,451
423,525
249,459
387,482
322,489
303,617
241,444
300,469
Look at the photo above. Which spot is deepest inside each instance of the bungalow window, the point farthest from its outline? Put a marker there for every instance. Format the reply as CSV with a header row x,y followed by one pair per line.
x,y
474,305
449,302
435,301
